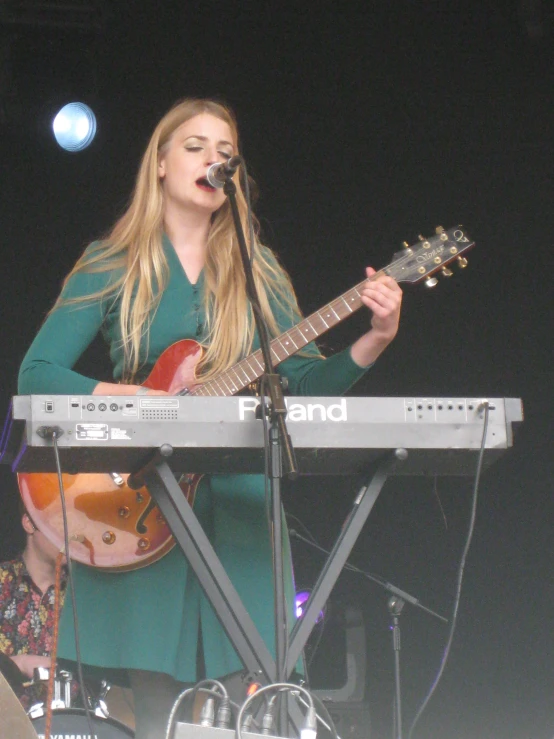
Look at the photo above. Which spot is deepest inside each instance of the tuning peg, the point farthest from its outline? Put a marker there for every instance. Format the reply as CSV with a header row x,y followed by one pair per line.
x,y
425,243
439,230
431,281
405,245
446,272
462,262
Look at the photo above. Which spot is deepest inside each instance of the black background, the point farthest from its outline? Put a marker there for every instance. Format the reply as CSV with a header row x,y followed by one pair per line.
x,y
364,125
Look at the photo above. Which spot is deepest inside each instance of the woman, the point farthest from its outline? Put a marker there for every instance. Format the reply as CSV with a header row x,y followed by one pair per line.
x,y
170,269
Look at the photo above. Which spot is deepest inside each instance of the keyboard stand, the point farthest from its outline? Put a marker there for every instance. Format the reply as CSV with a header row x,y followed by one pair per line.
x,y
214,581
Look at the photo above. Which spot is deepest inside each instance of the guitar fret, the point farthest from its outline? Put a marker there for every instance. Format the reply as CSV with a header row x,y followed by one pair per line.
x,y
218,383
230,387
286,348
343,309
275,342
231,377
235,382
334,311
319,323
247,362
279,350
289,336
346,304
260,365
248,378
323,319
298,338
275,353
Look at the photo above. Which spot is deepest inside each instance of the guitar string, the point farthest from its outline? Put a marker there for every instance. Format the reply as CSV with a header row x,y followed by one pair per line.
x,y
398,263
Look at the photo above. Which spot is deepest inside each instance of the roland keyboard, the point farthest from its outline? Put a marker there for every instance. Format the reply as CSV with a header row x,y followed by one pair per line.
x,y
223,434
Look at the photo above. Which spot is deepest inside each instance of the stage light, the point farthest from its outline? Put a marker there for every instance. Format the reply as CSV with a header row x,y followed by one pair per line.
x,y
74,127
300,601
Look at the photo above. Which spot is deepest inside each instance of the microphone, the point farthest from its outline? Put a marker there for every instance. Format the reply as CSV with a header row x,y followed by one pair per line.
x,y
218,173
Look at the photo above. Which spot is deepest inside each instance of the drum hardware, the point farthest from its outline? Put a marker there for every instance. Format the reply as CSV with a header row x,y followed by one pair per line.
x,y
69,723
100,706
62,687
62,697
62,690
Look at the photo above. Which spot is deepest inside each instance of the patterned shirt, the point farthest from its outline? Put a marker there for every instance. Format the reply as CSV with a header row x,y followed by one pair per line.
x,y
26,619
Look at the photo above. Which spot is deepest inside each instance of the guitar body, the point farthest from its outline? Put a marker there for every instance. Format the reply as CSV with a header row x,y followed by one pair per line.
x,y
110,525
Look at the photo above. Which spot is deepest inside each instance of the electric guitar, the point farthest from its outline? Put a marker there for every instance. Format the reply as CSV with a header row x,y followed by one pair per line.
x,y
100,504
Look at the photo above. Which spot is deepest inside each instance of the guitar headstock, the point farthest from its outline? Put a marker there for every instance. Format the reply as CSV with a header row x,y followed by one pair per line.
x,y
422,260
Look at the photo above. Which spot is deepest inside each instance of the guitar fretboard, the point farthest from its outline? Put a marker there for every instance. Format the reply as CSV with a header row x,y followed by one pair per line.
x,y
251,368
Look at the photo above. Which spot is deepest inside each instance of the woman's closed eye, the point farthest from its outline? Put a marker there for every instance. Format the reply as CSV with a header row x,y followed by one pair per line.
x,y
222,153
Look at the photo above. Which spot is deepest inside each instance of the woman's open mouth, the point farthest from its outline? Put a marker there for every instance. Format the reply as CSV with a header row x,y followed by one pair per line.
x,y
203,184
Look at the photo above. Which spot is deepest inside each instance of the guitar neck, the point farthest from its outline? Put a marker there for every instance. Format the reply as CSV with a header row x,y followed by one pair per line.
x,y
412,264
251,368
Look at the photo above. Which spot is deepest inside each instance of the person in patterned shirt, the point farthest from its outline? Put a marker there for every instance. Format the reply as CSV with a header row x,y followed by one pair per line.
x,y
27,592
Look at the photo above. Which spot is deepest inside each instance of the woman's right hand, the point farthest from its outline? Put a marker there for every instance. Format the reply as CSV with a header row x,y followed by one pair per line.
x,y
114,388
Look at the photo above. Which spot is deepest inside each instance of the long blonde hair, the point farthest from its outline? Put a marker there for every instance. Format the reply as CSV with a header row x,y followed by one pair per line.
x,y
134,247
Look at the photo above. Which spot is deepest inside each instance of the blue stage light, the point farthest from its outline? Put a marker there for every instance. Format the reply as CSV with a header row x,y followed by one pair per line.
x,y
74,127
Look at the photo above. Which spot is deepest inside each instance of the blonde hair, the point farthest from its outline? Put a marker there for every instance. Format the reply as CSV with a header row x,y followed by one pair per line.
x,y
134,250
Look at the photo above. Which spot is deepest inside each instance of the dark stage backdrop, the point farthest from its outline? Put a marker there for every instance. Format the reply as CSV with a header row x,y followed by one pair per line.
x,y
364,125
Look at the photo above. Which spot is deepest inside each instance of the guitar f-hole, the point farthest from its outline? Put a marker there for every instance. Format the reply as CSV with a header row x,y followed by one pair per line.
x,y
141,527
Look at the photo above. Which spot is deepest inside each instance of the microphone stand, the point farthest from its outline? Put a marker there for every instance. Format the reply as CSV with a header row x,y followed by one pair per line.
x,y
395,605
281,453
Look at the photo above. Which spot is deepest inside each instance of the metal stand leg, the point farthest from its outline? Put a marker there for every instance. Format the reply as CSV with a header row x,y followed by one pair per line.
x,y
364,502
205,563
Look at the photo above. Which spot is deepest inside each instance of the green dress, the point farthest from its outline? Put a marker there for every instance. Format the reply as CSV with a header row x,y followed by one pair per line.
x,y
149,619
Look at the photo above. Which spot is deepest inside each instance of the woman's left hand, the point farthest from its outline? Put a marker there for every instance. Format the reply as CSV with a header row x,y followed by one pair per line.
x,y
383,296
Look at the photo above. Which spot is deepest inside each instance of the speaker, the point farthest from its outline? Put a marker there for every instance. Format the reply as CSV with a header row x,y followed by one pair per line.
x,y
338,665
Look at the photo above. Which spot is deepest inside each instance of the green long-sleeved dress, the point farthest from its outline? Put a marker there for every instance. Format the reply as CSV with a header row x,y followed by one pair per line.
x,y
149,619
